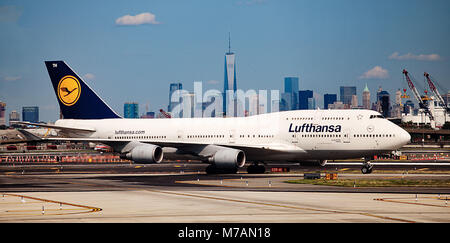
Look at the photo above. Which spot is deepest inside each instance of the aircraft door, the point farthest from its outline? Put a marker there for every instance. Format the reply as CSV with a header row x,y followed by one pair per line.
x,y
180,134
374,139
294,138
346,135
232,138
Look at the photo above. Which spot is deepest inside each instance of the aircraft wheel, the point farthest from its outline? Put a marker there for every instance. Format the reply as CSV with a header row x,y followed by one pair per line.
x,y
256,169
212,170
367,169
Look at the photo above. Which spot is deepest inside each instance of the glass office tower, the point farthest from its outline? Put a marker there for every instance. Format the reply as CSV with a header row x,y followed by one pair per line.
x,y
30,113
346,94
131,110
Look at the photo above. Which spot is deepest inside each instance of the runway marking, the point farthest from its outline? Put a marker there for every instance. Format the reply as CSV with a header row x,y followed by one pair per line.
x,y
93,209
397,200
250,202
283,206
90,209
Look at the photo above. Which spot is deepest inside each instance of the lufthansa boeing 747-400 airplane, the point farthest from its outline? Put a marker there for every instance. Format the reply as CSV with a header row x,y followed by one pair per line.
x,y
225,143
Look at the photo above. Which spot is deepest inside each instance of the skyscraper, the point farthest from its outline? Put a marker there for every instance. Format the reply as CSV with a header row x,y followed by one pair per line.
x,y
354,101
305,100
346,94
14,116
378,93
30,113
396,110
409,107
229,83
366,98
312,103
173,87
285,102
329,99
2,113
378,102
398,97
131,110
291,84
385,103
291,93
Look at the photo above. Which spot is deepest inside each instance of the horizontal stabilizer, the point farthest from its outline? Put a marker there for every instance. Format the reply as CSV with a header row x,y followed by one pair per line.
x,y
75,129
29,136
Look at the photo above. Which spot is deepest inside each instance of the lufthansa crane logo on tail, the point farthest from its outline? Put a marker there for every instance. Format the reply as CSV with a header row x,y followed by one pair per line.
x,y
69,90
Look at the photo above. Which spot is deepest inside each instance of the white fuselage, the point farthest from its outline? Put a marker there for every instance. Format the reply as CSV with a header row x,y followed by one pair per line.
x,y
289,136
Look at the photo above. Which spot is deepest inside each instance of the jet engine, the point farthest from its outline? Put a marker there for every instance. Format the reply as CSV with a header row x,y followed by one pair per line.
x,y
228,159
145,154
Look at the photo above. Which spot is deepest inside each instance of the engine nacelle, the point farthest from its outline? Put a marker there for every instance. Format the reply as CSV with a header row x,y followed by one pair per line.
x,y
228,159
145,154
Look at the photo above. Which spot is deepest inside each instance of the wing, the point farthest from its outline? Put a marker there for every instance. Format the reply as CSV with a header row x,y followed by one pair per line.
x,y
261,152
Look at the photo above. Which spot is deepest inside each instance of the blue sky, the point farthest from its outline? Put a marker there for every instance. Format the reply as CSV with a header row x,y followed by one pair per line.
x,y
326,43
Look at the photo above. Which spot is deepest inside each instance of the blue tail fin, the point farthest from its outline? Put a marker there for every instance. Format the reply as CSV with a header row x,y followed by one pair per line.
x,y
76,99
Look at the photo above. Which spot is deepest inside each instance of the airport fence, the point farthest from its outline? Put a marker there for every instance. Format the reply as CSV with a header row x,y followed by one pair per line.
x,y
62,159
42,147
429,156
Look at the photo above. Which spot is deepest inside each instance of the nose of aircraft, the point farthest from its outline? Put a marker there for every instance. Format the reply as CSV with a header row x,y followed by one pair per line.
x,y
405,137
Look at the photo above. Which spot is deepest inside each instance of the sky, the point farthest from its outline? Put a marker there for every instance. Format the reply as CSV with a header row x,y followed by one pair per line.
x,y
130,51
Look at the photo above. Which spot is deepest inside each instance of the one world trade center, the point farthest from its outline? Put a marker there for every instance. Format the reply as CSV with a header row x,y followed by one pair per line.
x,y
229,89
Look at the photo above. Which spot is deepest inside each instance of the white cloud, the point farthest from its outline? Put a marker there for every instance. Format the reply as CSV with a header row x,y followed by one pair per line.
x,y
143,18
213,82
375,73
89,76
420,57
11,78
9,14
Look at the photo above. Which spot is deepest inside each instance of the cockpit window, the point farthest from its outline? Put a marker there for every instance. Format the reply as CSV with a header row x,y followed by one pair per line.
x,y
376,116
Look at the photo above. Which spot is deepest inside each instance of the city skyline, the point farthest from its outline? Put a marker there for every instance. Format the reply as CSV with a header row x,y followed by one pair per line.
x,y
327,44
305,100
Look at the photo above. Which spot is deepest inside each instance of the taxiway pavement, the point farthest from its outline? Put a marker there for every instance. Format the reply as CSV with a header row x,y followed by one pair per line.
x,y
121,194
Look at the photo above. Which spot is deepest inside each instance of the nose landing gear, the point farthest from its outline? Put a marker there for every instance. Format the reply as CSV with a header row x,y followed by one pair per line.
x,y
367,166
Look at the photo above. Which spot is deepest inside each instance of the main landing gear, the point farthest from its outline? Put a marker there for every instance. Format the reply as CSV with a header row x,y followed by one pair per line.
x,y
212,169
367,166
255,168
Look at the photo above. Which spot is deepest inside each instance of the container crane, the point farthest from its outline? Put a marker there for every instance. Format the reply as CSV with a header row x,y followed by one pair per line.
x,y
417,95
165,114
436,92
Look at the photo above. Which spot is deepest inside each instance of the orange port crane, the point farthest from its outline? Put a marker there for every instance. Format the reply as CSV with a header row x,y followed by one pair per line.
x,y
167,115
436,92
417,95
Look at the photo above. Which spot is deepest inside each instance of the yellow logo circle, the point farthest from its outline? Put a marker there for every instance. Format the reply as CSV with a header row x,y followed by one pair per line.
x,y
69,90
